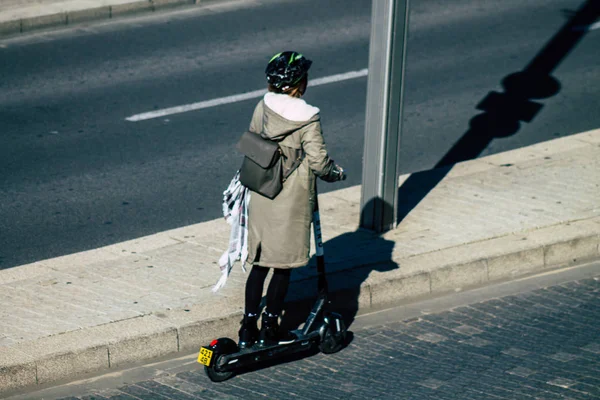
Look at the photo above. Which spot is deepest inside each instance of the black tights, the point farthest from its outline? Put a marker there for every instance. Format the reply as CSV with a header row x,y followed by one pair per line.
x,y
275,293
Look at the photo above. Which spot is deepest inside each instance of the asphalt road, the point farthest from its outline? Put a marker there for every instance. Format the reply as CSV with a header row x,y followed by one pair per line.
x,y
534,338
76,175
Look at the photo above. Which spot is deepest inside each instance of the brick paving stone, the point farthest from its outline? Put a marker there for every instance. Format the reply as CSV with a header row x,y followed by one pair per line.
x,y
562,294
590,290
517,317
431,383
464,319
592,347
576,288
564,324
164,390
140,392
526,311
221,390
521,302
467,330
592,283
591,380
306,390
520,384
452,334
443,319
262,389
563,357
588,311
522,372
589,306
200,392
537,298
555,383
580,321
488,391
432,337
592,390
516,352
589,367
477,342
123,396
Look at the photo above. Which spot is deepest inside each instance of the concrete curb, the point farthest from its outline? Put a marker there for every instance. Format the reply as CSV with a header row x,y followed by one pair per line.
x,y
118,344
49,18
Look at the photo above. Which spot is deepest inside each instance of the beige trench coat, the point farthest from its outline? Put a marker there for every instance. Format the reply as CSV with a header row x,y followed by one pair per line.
x,y
279,230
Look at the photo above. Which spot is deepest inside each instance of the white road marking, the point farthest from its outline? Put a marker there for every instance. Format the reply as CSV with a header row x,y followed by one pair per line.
x,y
587,28
594,26
238,97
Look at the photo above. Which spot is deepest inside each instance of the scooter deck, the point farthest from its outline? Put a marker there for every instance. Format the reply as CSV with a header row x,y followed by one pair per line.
x,y
254,354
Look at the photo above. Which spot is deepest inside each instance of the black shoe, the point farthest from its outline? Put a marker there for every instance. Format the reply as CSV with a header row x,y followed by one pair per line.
x,y
248,332
270,334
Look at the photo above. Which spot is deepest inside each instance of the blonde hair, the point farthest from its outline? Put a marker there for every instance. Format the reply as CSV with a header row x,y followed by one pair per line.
x,y
293,91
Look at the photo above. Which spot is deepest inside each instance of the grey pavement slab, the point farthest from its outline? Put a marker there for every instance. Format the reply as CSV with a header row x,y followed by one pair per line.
x,y
496,218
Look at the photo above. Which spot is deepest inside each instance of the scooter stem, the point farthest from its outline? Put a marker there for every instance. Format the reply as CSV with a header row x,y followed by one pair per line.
x,y
320,251
322,280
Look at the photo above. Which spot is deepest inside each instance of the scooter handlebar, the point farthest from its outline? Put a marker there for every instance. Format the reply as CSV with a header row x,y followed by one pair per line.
x,y
339,171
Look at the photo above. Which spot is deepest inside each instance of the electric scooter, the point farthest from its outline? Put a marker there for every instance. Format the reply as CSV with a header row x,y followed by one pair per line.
x,y
222,358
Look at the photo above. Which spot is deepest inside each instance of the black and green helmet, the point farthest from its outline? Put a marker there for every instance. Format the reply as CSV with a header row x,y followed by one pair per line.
x,y
286,69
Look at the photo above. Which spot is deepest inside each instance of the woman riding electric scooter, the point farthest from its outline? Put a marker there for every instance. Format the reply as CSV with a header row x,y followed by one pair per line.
x,y
279,229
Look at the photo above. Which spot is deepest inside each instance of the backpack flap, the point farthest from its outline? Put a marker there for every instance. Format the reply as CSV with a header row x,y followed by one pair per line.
x,y
262,167
263,152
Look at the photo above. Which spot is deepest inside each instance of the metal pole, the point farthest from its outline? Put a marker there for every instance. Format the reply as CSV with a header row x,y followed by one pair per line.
x,y
387,55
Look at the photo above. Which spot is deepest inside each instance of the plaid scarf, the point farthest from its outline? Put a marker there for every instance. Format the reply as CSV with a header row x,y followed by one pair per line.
x,y
235,210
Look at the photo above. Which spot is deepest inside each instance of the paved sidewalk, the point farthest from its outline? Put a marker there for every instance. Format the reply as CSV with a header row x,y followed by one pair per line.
x,y
22,16
490,219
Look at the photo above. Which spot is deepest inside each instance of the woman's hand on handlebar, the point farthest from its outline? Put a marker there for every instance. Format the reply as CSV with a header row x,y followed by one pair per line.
x,y
339,171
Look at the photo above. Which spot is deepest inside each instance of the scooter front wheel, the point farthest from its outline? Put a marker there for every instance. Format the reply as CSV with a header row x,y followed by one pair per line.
x,y
333,341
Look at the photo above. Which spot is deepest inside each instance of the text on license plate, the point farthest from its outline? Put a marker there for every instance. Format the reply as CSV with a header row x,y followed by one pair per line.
x,y
205,356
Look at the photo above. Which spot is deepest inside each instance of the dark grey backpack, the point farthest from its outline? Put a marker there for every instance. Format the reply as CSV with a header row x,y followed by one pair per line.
x,y
262,169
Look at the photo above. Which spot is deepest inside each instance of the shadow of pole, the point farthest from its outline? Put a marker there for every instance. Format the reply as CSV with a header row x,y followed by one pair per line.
x,y
504,112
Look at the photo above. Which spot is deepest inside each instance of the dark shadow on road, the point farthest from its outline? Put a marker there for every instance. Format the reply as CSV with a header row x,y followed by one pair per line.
x,y
503,112
349,260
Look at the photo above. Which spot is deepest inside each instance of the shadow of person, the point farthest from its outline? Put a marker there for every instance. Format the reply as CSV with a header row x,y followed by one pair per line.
x,y
350,259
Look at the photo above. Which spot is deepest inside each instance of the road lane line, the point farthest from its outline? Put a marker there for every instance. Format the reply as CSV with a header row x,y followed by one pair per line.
x,y
587,28
238,97
594,26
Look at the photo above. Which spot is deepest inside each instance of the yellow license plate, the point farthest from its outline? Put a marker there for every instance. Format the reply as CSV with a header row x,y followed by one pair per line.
x,y
205,356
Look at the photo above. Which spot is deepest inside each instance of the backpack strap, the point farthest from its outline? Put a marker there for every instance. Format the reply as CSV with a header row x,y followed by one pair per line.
x,y
299,158
294,165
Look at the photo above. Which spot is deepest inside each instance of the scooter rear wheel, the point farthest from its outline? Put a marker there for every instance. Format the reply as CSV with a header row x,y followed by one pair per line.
x,y
220,347
217,376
